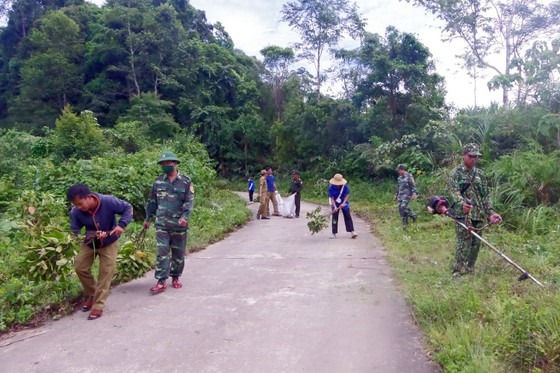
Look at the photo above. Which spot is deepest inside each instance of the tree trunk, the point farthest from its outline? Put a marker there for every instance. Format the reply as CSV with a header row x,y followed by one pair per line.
x,y
246,153
508,39
318,74
131,51
277,98
156,83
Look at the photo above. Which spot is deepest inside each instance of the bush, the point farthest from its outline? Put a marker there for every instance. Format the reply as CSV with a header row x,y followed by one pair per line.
x,y
77,136
136,257
15,151
530,177
51,256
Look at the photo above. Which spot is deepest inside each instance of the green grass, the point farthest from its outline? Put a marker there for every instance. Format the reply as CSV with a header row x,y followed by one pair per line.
x,y
214,217
487,322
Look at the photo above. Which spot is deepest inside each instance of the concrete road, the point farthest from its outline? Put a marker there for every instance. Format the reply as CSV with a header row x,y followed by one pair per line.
x,y
269,298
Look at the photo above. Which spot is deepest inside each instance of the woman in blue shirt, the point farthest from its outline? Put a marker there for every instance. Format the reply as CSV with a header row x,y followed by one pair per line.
x,y
338,195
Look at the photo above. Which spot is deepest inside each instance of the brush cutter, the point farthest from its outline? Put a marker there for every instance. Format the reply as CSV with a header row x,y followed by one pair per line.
x,y
439,205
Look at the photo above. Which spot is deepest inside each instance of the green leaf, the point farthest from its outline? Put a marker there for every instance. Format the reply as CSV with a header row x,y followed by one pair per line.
x,y
51,240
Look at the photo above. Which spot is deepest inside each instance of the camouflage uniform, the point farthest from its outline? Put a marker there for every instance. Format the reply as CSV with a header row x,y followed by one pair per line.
x,y
170,201
406,189
469,186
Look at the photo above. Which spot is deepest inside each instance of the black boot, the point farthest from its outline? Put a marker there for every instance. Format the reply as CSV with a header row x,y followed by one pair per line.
x,y
405,223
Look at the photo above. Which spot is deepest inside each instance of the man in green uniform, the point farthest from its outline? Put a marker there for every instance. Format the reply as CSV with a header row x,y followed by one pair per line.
x,y
171,202
471,201
405,191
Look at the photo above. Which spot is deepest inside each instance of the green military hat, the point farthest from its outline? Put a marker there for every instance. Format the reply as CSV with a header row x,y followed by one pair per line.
x,y
472,149
401,167
168,156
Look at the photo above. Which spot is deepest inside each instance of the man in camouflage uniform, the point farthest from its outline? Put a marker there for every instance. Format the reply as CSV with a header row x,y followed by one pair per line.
x,y
405,191
471,202
296,187
171,202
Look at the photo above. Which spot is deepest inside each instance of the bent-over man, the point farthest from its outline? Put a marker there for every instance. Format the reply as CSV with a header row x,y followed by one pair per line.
x,y
97,213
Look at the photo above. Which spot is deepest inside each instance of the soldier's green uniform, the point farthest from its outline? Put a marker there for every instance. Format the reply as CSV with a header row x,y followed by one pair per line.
x,y
169,202
405,190
471,187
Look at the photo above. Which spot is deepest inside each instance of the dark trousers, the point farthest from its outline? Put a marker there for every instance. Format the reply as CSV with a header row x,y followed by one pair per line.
x,y
405,211
297,201
251,195
347,221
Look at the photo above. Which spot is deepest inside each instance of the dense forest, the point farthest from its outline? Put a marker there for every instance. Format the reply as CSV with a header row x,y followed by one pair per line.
x,y
149,69
93,94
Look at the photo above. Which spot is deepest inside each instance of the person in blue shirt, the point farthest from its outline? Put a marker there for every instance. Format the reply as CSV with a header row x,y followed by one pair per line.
x,y
250,188
272,190
97,214
338,195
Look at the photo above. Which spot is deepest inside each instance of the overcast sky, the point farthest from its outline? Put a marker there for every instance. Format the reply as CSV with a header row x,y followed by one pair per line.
x,y
255,24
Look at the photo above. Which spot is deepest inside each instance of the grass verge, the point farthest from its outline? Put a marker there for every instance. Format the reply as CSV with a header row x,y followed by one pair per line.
x,y
486,322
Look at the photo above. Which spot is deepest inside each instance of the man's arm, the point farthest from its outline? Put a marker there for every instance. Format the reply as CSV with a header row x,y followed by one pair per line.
x,y
124,209
187,207
75,224
151,204
413,188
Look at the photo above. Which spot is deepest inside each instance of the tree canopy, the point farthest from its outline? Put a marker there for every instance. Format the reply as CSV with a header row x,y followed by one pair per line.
x,y
149,70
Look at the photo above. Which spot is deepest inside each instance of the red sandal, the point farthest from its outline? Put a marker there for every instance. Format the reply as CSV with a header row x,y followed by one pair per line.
x,y
87,304
158,288
95,314
176,283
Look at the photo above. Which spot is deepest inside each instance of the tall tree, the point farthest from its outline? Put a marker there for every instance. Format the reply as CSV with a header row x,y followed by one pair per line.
x,y
22,13
52,76
490,30
398,84
277,61
541,68
321,24
154,113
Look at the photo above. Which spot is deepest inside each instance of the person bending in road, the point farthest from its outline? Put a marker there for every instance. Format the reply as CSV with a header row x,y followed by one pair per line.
x,y
96,212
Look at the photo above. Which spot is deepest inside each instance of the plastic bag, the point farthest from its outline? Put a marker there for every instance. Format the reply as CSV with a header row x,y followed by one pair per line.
x,y
289,207
280,203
